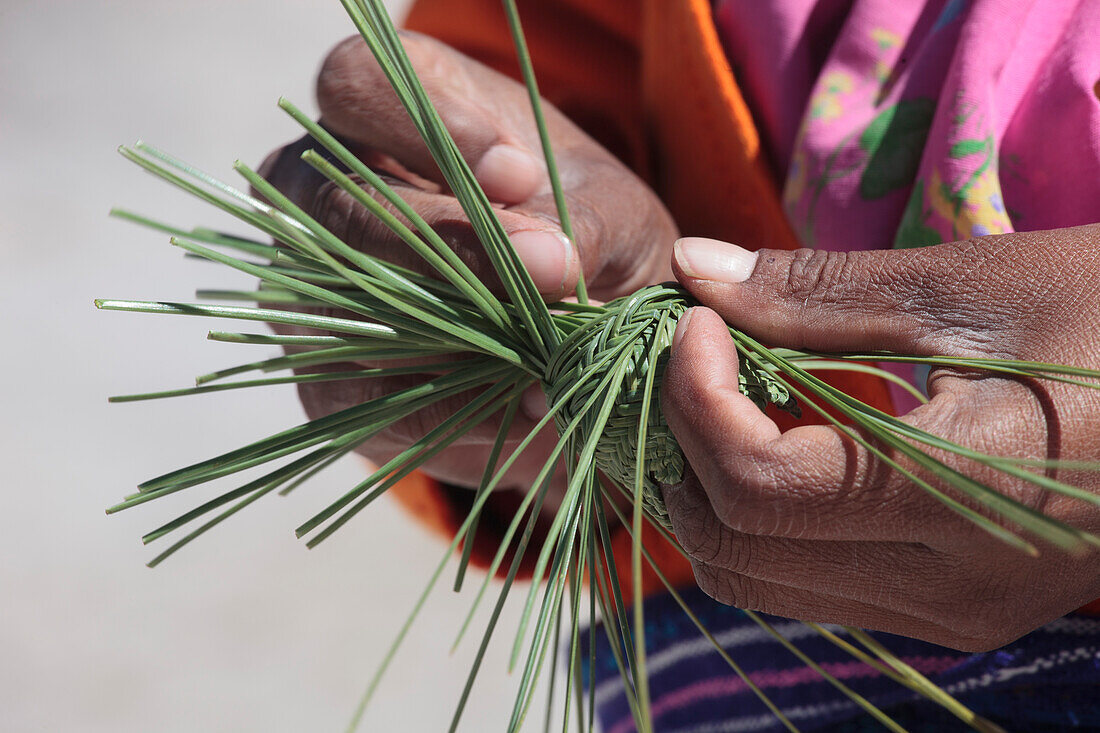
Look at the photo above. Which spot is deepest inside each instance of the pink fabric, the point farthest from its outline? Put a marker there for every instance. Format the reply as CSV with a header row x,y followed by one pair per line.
x,y
902,123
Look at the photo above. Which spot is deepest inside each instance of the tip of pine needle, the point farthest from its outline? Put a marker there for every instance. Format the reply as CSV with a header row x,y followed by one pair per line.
x,y
986,726
99,302
1088,543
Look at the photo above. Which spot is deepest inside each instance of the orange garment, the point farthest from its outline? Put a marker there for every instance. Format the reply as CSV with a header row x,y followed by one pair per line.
x,y
650,81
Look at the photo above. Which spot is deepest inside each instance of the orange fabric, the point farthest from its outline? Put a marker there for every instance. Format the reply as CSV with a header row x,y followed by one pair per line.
x,y
649,80
424,498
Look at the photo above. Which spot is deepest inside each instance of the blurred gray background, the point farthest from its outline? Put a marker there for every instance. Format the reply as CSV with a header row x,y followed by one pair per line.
x,y
245,630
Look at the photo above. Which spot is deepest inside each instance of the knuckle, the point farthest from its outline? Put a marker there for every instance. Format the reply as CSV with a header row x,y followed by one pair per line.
x,y
350,75
819,277
742,592
730,588
346,73
330,206
699,537
758,503
698,530
709,581
335,210
285,170
734,552
959,294
343,216
348,53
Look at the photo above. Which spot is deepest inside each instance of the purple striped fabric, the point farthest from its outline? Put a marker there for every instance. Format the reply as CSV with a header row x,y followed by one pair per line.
x,y
1048,680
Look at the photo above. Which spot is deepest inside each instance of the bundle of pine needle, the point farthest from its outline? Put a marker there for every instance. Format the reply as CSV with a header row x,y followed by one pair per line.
x,y
599,365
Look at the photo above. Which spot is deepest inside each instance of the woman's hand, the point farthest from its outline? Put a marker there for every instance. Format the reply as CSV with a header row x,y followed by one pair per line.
x,y
807,524
623,232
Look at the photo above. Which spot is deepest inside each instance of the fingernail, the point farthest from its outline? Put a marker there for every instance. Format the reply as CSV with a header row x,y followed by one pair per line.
x,y
509,174
712,259
547,256
681,328
533,403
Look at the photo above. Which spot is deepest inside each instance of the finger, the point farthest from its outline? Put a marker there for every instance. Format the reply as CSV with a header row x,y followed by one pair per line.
x,y
811,482
921,301
622,232
357,101
902,578
779,600
552,261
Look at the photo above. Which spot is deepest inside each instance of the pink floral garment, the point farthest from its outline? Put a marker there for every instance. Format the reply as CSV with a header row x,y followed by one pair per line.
x,y
902,123
911,122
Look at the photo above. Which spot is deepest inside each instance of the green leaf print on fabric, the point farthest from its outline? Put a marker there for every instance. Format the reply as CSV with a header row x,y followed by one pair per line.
x,y
894,142
964,148
913,231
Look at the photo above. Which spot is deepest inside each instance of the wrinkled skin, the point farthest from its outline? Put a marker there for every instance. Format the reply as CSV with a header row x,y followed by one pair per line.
x,y
624,234
806,523
802,524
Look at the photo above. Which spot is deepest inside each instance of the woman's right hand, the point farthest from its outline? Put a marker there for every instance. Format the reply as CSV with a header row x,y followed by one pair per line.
x,y
624,235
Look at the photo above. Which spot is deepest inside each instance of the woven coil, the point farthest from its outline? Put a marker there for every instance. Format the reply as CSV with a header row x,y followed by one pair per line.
x,y
631,327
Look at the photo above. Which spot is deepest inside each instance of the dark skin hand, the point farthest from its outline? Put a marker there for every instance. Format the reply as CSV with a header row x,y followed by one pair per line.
x,y
803,523
806,524
624,234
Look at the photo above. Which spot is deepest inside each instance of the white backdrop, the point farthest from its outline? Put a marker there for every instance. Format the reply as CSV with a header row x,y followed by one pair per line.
x,y
245,630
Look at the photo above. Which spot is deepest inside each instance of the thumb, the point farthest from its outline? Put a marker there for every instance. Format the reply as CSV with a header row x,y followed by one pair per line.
x,y
826,301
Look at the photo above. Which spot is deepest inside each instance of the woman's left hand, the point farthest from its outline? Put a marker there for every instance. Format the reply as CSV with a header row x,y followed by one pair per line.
x,y
808,524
